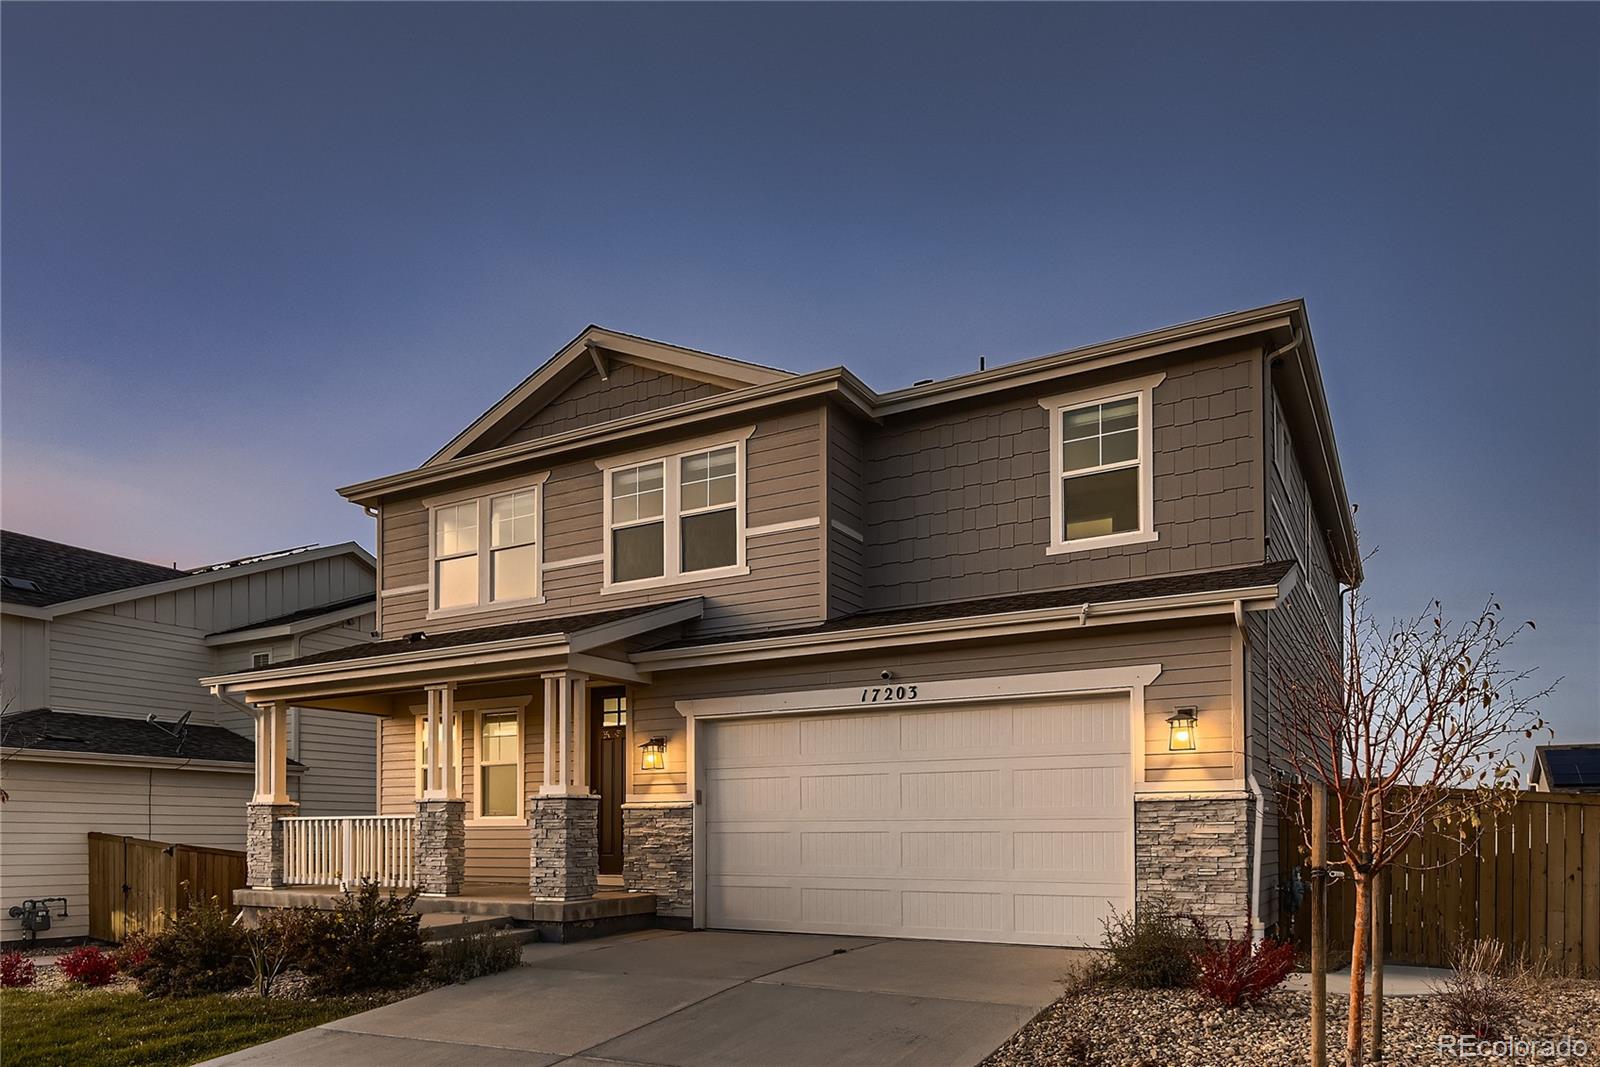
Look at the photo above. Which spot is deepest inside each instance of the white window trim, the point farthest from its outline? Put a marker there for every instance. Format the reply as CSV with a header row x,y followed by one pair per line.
x,y
1140,389
671,516
478,817
254,652
482,497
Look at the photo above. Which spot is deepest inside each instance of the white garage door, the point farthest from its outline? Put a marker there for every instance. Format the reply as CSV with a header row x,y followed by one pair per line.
x,y
983,822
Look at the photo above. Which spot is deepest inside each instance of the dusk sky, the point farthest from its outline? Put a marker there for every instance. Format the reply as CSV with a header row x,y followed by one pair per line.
x,y
255,252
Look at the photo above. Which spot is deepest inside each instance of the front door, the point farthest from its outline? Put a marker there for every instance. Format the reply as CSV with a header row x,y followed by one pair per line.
x,y
608,714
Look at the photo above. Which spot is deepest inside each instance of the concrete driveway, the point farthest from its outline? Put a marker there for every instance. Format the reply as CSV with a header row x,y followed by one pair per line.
x,y
706,999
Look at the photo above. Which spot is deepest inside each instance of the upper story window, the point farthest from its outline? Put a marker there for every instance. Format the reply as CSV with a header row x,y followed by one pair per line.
x,y
485,551
1101,469
675,518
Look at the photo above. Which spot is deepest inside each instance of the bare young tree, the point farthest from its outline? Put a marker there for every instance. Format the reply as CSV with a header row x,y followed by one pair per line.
x,y
1412,729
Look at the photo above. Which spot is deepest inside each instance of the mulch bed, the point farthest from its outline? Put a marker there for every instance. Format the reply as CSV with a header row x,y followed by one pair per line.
x,y
1180,1028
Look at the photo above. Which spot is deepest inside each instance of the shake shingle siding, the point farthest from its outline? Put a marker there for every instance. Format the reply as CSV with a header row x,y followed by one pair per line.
x,y
958,503
630,390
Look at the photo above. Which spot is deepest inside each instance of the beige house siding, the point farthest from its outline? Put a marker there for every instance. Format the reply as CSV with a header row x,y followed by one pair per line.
x,y
1197,668
958,502
847,576
24,654
783,484
104,662
630,390
53,807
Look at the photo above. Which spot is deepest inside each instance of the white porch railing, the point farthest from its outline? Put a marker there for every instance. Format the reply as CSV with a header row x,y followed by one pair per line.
x,y
341,850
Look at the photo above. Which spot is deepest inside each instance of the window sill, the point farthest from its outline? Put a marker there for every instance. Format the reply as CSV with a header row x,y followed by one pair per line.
x,y
484,609
691,578
1087,544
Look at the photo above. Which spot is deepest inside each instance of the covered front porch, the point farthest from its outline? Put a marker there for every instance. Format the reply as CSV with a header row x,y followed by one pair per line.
x,y
503,771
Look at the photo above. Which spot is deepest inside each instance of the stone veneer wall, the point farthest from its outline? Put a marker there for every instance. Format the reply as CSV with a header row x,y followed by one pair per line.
x,y
264,843
658,854
564,847
1194,850
441,844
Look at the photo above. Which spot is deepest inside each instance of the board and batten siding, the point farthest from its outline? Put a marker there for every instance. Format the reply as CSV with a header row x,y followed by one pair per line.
x,y
53,807
1197,668
783,483
958,500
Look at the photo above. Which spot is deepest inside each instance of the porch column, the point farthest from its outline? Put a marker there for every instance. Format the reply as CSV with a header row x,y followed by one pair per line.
x,y
563,820
271,802
441,831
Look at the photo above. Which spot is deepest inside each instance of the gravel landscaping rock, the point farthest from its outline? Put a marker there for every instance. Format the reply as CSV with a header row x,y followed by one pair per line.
x,y
1180,1028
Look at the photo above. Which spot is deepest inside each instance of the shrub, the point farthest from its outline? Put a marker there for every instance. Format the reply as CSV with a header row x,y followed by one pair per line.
x,y
201,952
1476,998
133,951
1151,947
15,970
278,939
1232,971
88,966
369,941
465,958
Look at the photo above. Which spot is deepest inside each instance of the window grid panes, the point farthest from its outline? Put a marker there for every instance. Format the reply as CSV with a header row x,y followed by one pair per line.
x,y
664,529
707,496
497,765
614,711
1100,469
513,555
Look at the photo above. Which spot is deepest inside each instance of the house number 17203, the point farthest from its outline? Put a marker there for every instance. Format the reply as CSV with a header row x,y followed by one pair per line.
x,y
884,694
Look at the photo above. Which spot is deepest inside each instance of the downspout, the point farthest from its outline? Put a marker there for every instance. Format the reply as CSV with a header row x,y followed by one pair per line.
x,y
1257,797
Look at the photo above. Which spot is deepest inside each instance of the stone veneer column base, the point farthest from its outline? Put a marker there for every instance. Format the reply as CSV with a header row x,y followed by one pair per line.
x,y
264,843
658,854
441,847
1193,850
564,847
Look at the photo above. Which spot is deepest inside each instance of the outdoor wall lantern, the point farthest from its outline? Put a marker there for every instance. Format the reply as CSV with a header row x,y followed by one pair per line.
x,y
1181,730
653,754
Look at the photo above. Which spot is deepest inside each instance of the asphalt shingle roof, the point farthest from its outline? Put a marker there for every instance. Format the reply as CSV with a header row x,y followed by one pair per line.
x,y
1169,585
44,730
426,642
66,572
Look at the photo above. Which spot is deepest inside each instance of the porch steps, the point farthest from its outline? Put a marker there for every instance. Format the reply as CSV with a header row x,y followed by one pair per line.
x,y
449,925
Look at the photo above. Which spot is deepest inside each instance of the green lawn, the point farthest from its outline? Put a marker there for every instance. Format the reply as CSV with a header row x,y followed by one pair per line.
x,y
97,1028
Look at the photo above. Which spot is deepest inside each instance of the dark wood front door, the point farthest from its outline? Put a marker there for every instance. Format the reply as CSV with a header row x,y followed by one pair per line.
x,y
608,743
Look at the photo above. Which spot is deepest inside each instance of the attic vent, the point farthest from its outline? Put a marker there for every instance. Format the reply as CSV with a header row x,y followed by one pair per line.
x,y
420,635
27,585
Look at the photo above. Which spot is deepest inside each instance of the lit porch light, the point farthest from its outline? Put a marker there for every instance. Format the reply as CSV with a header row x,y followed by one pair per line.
x,y
653,754
1182,734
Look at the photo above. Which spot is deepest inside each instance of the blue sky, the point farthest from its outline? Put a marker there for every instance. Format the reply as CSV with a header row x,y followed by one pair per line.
x,y
253,252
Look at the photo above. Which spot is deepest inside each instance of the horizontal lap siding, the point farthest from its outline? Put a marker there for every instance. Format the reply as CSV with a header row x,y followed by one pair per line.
x,y
1196,669
958,502
847,576
106,664
53,807
783,484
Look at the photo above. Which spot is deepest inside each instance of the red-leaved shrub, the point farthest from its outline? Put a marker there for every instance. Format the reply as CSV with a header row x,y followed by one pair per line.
x,y
15,970
133,951
1230,971
88,966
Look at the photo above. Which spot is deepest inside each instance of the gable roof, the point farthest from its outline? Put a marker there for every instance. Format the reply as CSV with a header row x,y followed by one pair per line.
x,y
1574,767
101,581
44,730
66,572
593,349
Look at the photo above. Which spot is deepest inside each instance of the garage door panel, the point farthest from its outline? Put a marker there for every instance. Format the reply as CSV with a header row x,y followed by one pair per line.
x,y
951,822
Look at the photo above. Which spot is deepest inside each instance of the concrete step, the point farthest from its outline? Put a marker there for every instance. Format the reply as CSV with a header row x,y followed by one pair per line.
x,y
444,925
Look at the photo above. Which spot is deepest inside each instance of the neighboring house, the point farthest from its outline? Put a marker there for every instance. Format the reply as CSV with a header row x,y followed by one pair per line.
x,y
982,658
1566,769
107,729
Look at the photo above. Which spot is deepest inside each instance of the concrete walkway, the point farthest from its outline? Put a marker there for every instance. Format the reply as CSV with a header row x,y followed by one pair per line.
x,y
706,999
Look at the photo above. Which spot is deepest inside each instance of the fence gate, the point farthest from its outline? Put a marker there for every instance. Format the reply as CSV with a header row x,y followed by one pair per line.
x,y
135,884
1531,882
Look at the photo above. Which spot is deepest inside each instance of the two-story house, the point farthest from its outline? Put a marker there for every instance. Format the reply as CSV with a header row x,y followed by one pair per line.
x,y
105,728
981,658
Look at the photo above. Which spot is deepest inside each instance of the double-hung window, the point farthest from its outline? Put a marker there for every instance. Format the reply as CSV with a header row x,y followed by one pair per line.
x,y
485,550
1101,471
499,749
675,518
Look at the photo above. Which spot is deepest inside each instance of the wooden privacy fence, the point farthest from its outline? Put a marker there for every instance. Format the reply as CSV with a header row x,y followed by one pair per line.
x,y
1531,882
136,884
